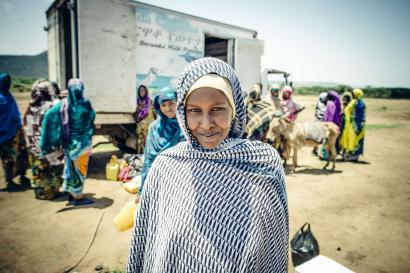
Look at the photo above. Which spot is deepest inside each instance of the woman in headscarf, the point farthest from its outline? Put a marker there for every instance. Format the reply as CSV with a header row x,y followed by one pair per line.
x,y
333,111
46,178
13,153
259,114
275,99
70,125
346,99
352,139
55,92
164,132
321,106
290,107
143,116
216,202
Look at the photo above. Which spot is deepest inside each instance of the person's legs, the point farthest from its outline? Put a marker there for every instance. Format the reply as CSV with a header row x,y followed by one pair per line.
x,y
8,155
46,179
22,160
75,172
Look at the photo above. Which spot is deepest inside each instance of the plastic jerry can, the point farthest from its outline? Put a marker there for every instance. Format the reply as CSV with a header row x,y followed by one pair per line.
x,y
112,169
125,218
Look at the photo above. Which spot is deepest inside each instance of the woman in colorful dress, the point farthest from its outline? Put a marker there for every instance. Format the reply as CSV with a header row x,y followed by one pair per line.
x,y
69,125
352,140
13,153
290,107
333,111
215,202
143,116
46,178
164,132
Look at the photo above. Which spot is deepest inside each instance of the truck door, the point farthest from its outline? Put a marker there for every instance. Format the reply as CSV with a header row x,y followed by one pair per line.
x,y
247,61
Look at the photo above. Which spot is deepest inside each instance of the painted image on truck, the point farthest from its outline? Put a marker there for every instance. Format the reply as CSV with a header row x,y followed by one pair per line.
x,y
166,43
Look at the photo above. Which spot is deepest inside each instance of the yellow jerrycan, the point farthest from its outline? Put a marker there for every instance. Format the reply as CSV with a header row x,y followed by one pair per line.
x,y
112,169
125,218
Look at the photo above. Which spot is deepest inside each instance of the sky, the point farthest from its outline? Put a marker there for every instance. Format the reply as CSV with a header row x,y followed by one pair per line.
x,y
354,42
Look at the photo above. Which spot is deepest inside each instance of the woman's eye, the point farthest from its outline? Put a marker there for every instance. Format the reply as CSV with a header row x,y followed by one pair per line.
x,y
194,110
217,109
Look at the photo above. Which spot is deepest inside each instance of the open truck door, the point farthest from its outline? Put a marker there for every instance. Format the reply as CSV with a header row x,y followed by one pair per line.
x,y
247,61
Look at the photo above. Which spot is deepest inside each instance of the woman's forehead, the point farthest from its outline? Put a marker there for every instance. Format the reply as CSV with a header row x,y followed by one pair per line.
x,y
206,95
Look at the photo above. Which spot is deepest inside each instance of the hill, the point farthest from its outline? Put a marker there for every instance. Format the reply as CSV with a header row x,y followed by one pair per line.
x,y
25,65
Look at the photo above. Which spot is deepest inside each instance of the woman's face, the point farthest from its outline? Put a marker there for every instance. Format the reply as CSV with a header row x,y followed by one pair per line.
x,y
142,92
208,116
285,95
168,108
274,92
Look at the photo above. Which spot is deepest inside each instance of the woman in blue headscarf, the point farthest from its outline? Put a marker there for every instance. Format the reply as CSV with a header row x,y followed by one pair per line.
x,y
69,125
216,202
13,154
164,132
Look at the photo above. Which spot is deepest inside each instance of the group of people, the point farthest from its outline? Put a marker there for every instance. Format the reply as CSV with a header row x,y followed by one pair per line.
x,y
348,113
211,199
53,139
260,112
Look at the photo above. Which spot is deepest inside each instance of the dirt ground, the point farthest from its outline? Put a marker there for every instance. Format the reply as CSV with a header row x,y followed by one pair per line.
x,y
360,214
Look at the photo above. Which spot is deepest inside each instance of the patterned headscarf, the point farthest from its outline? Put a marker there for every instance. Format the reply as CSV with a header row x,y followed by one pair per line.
x,y
212,210
193,72
33,117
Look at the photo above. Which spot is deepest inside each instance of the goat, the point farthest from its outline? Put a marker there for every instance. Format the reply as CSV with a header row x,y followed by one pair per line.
x,y
295,137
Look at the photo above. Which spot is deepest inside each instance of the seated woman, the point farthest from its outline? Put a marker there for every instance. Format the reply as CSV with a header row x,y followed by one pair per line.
x,y
216,202
164,132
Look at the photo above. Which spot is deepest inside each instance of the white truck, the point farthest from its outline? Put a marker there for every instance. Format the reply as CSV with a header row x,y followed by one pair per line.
x,y
116,45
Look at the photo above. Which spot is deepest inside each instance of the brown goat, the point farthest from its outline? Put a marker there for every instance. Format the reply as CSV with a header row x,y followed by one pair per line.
x,y
295,137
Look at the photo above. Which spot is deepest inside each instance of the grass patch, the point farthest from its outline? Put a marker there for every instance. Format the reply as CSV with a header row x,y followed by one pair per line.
x,y
372,127
21,84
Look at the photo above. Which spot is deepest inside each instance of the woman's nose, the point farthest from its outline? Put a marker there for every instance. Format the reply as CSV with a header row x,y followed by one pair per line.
x,y
206,121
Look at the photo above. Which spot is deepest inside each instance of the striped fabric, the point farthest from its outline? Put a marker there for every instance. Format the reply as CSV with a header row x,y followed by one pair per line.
x,y
212,210
260,113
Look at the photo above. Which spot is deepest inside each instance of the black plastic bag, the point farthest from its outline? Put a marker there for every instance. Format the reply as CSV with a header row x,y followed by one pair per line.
x,y
304,245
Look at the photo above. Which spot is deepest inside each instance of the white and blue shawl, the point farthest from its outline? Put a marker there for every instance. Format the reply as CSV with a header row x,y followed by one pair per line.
x,y
212,210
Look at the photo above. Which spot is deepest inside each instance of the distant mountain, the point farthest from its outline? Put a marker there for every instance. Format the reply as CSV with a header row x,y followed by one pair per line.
x,y
25,65
322,84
